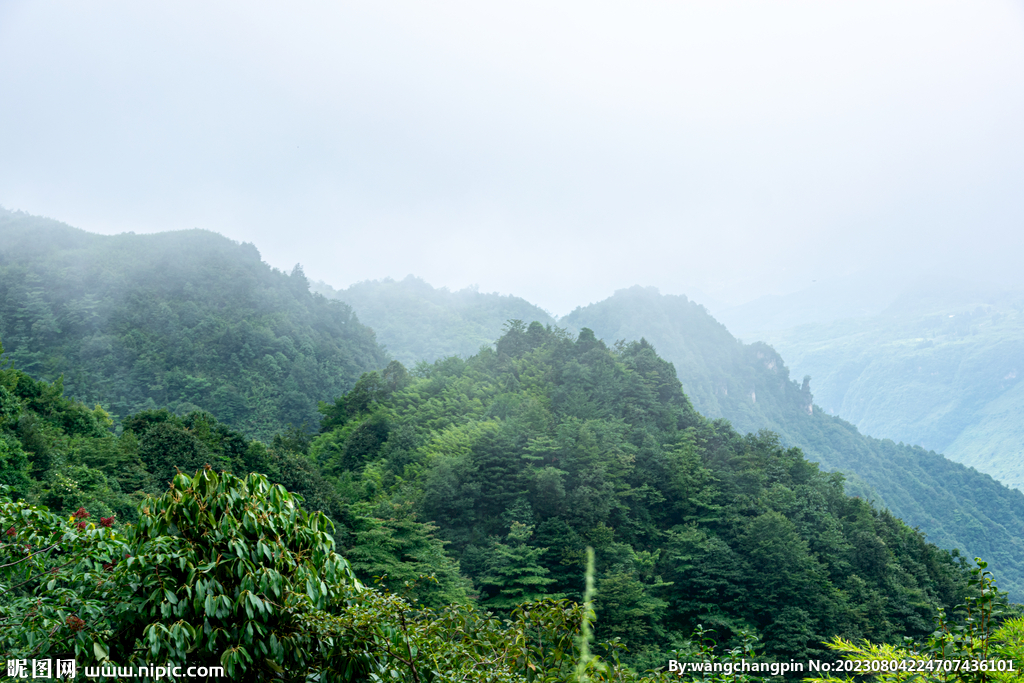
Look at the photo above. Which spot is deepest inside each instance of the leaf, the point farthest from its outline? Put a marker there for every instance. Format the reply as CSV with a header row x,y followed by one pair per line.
x,y
100,651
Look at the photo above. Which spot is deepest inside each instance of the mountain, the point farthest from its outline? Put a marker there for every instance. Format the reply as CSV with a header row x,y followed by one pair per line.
x,y
185,320
192,321
749,385
525,454
481,481
416,322
940,367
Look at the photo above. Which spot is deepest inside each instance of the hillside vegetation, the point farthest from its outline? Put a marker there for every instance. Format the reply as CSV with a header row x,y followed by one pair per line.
x,y
493,475
524,455
183,320
749,384
466,485
193,322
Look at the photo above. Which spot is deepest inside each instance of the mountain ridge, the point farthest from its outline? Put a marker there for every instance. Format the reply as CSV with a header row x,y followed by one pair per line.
x,y
187,320
181,343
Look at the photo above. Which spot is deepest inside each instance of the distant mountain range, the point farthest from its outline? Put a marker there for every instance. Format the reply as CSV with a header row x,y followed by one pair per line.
x,y
191,320
416,322
941,366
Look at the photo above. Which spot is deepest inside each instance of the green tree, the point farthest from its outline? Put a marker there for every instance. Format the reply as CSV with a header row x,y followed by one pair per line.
x,y
391,547
222,571
514,571
167,448
59,588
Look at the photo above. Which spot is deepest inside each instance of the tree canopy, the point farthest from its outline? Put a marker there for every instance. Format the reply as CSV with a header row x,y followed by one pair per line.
x,y
524,455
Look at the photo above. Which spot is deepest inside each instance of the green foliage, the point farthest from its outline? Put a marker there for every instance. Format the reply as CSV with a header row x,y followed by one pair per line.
x,y
514,573
392,549
524,455
977,645
218,571
970,635
221,571
93,468
224,568
394,641
186,320
588,663
57,451
60,591
749,384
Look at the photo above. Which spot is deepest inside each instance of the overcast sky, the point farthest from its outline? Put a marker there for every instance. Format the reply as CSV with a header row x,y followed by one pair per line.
x,y
554,150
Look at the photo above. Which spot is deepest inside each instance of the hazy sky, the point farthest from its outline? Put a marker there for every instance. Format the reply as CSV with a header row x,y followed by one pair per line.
x,y
555,150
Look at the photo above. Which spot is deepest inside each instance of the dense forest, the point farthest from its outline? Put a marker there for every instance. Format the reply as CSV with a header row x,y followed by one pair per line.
x,y
184,320
937,368
493,475
749,384
524,455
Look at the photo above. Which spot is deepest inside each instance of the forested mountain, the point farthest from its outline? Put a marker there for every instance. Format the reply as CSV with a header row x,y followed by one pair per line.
x,y
749,385
416,322
524,454
939,368
190,321
184,320
493,474
474,481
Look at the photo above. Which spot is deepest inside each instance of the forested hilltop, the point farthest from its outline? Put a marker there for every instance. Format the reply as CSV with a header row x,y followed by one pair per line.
x,y
524,455
182,320
940,367
416,322
493,474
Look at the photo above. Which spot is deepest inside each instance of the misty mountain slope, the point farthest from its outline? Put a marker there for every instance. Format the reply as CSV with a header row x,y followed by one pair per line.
x,y
416,322
944,373
747,384
183,320
994,442
750,386
190,320
859,294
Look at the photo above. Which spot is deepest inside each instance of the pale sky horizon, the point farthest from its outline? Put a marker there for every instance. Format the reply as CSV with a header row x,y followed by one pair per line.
x,y
555,151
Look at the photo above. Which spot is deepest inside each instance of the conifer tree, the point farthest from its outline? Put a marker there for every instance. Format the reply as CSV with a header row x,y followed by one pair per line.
x,y
515,570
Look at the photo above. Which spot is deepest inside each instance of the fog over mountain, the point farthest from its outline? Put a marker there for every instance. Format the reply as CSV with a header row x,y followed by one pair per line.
x,y
554,152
